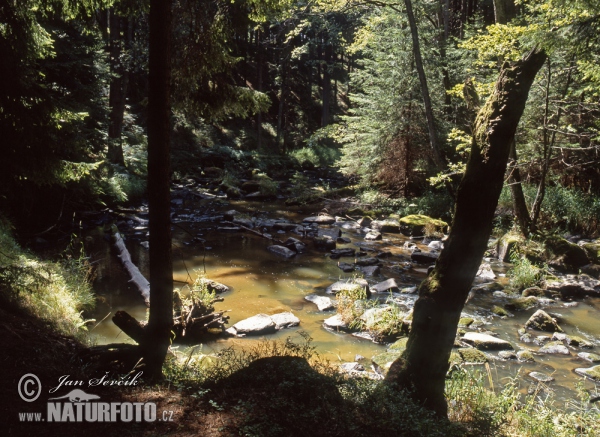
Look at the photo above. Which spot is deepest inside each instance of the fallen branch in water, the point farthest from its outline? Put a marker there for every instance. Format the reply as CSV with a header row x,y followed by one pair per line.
x,y
140,282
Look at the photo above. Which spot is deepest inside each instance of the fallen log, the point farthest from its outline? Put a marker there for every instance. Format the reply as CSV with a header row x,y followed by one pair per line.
x,y
129,326
140,282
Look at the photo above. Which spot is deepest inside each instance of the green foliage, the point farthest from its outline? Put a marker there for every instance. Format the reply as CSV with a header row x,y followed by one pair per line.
x,y
523,273
316,155
267,186
351,304
56,292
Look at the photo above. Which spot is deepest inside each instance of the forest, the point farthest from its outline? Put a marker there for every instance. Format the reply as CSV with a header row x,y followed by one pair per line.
x,y
293,218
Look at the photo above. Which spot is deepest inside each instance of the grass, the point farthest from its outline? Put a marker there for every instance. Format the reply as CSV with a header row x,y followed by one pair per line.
x,y
524,273
54,291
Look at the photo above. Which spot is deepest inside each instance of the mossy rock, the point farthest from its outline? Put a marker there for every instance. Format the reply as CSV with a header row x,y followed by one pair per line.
x,y
499,311
352,212
465,322
399,345
472,356
506,244
414,224
525,356
591,373
382,362
564,255
532,291
522,303
593,251
455,359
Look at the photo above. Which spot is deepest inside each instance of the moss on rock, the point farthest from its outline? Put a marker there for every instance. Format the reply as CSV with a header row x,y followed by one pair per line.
x,y
414,224
472,356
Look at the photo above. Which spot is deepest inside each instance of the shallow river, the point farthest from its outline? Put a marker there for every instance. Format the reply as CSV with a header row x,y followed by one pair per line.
x,y
262,282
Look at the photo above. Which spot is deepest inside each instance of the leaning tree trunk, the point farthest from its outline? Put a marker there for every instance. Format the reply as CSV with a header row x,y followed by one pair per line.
x,y
423,366
158,331
516,189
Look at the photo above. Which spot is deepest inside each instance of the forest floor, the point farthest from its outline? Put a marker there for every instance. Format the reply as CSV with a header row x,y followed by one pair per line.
x,y
31,347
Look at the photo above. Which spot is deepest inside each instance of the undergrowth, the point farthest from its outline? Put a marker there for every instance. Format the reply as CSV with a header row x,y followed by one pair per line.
x,y
54,291
314,399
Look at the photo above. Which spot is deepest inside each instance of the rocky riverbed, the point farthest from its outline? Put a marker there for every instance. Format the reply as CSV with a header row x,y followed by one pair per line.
x,y
286,267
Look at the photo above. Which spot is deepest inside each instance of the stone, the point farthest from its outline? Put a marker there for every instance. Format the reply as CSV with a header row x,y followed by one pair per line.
x,y
285,320
485,272
592,373
592,270
324,243
373,236
333,233
358,357
541,377
522,303
505,245
370,261
542,321
338,286
386,286
389,226
322,219
499,311
343,240
370,270
230,215
213,286
365,222
436,245
572,340
247,223
335,323
323,303
554,347
346,252
351,367
507,355
256,325
472,356
346,267
294,244
414,224
399,345
281,251
592,358
284,226
382,362
564,255
525,356
424,257
575,286
485,341
465,322
532,291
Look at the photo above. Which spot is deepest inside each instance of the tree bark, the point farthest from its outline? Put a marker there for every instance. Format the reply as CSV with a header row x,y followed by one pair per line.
x,y
117,89
516,190
442,296
161,267
504,11
435,150
326,98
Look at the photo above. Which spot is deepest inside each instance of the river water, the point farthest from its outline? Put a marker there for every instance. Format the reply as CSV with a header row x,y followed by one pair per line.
x,y
262,282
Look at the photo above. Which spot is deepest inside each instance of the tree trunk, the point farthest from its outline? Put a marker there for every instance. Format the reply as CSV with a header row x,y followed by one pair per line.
x,y
117,89
423,366
437,155
161,267
516,190
326,100
504,11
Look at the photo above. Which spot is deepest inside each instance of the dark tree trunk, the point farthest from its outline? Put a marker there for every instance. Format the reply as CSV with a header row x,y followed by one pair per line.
x,y
154,349
326,100
516,190
117,89
423,366
259,66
